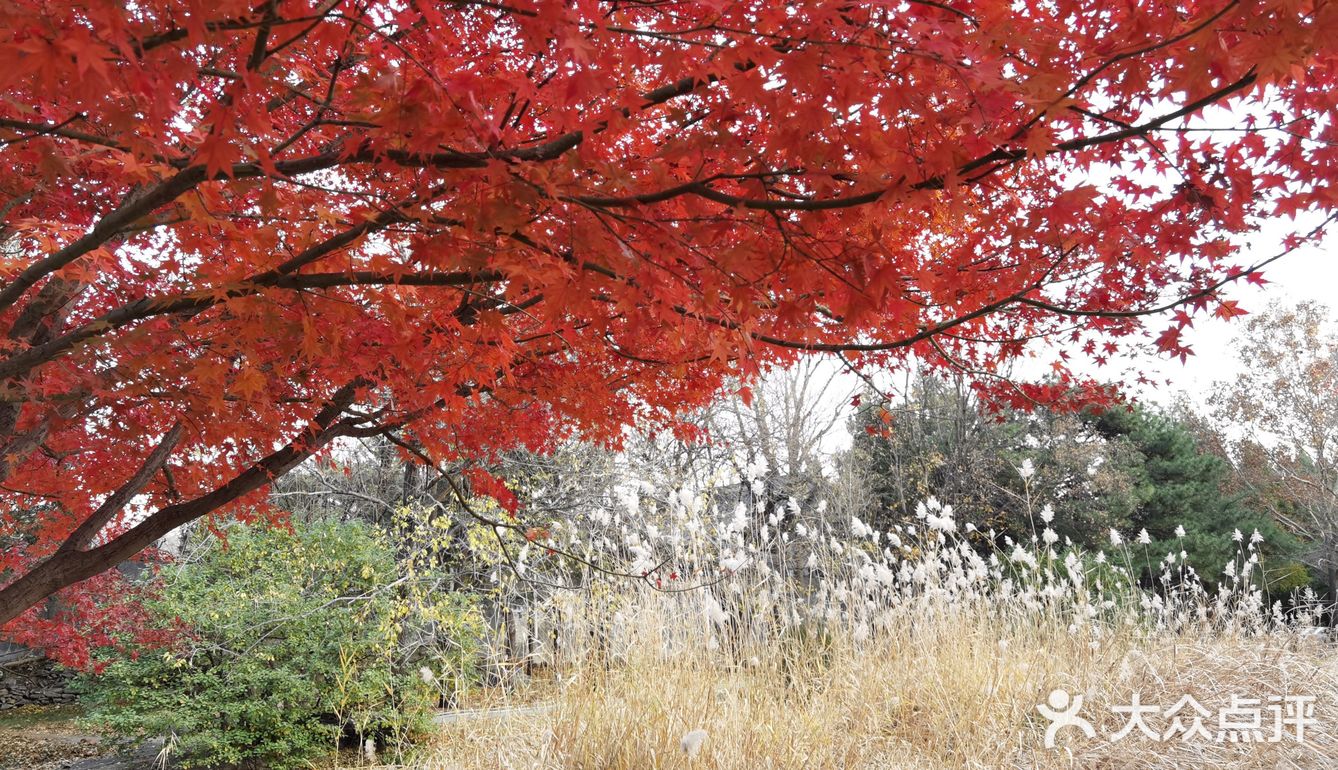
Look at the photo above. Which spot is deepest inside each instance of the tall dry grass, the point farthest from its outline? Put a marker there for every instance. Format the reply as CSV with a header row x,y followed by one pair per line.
x,y
951,688
906,649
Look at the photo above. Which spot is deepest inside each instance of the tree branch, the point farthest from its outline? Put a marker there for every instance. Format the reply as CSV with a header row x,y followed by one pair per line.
x,y
67,567
84,534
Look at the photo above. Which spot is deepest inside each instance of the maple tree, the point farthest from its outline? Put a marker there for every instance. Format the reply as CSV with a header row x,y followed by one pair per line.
x,y
236,231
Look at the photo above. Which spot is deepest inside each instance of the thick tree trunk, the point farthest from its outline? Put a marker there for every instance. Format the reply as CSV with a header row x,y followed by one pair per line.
x,y
69,566
48,577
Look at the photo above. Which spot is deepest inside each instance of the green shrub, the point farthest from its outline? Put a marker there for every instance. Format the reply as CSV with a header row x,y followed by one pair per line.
x,y
1287,578
284,641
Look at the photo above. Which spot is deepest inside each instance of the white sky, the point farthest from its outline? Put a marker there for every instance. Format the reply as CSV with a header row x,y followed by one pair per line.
x,y
1309,273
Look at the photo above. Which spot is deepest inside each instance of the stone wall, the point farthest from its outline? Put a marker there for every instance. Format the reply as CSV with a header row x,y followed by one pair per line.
x,y
33,681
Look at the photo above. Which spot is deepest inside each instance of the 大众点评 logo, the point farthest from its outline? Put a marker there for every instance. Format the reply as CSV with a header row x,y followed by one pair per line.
x,y
1242,720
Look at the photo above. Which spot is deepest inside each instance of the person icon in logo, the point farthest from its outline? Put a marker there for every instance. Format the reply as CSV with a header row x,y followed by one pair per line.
x,y
1062,711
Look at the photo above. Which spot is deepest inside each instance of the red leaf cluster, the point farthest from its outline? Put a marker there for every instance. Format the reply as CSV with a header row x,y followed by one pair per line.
x,y
233,232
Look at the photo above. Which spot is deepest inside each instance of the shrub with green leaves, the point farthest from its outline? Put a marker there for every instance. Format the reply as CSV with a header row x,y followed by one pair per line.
x,y
286,640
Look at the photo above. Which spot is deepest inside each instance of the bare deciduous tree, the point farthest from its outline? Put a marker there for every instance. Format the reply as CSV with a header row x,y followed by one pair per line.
x,y
1285,401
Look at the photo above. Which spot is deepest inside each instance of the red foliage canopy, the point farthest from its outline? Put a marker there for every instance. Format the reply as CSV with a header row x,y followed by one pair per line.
x,y
235,230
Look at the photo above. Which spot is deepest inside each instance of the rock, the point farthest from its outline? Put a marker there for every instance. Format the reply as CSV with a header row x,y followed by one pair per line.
x,y
33,681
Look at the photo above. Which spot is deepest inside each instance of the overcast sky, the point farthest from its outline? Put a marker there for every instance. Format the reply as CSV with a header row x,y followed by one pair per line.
x,y
1309,273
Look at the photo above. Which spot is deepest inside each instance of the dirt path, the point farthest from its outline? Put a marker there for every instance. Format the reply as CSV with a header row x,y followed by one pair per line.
x,y
52,739
44,737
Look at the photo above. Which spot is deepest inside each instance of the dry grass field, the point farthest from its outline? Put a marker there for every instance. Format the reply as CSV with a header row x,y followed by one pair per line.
x,y
944,690
936,659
